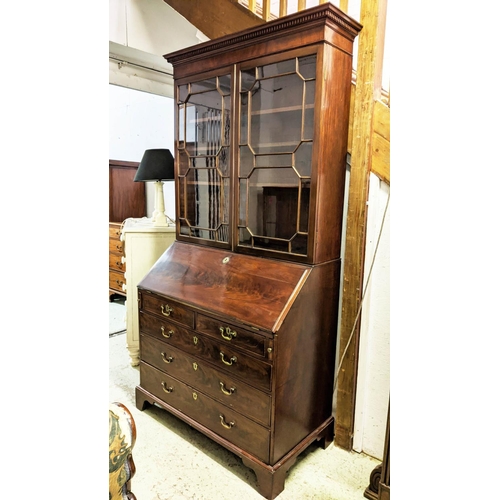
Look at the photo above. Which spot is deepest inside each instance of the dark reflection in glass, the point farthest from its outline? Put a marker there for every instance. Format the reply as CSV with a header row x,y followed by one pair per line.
x,y
274,169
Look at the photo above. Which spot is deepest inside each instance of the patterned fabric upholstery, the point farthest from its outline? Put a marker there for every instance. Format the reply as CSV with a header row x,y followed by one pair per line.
x,y
122,435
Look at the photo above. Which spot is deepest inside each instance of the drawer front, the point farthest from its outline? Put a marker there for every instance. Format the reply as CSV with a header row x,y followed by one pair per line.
x,y
116,246
167,309
115,262
253,371
213,415
234,335
164,330
216,383
114,232
116,280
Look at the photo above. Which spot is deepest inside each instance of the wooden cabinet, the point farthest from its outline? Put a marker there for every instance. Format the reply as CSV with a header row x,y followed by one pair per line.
x,y
126,199
117,284
238,317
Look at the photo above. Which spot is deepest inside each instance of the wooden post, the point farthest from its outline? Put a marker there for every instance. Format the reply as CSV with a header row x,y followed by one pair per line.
x,y
368,82
266,10
301,5
283,8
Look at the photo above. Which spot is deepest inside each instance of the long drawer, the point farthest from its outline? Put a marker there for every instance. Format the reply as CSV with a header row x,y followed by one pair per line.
x,y
218,384
213,415
255,372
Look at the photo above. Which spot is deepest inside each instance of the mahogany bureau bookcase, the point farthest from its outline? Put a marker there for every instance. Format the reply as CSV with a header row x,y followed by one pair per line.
x,y
238,317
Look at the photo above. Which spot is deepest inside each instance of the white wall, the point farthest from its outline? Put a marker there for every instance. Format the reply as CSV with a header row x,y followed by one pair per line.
x,y
139,121
373,384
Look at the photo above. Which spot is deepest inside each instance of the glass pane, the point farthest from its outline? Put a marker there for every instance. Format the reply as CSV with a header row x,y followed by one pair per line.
x,y
310,87
245,236
304,206
244,119
183,92
202,193
204,85
307,66
224,161
226,126
243,203
271,244
247,79
184,227
281,160
303,159
278,68
225,84
222,233
276,115
181,133
246,161
299,244
183,162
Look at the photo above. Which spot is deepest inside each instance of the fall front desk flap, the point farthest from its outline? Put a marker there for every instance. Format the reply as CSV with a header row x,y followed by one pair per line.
x,y
252,290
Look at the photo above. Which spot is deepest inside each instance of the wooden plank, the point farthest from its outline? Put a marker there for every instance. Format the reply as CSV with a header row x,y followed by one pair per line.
x,y
382,120
222,18
368,80
381,165
252,5
301,5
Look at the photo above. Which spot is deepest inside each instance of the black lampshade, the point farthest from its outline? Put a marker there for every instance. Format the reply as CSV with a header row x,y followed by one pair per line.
x,y
156,165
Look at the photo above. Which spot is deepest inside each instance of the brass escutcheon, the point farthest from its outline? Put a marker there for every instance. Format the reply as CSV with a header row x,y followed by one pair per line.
x,y
195,366
195,396
195,340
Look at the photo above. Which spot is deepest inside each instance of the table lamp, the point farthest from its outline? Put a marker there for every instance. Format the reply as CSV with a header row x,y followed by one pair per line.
x,y
157,165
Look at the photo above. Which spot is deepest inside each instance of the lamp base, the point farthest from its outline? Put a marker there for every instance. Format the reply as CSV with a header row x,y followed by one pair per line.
x,y
159,218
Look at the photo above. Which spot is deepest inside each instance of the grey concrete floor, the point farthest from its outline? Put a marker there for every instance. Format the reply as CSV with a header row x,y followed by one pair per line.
x,y
176,462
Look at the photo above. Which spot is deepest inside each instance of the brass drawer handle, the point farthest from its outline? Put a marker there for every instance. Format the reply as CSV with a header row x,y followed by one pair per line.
x,y
223,423
227,333
119,264
167,360
230,362
166,388
225,391
168,334
166,310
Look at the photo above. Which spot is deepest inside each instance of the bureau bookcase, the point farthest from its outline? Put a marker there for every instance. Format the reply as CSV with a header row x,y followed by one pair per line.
x,y
238,318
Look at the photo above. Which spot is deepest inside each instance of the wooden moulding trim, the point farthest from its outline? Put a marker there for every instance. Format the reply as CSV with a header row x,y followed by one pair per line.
x,y
327,13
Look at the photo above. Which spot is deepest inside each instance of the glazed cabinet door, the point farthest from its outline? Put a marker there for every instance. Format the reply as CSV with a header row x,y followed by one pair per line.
x,y
203,158
275,155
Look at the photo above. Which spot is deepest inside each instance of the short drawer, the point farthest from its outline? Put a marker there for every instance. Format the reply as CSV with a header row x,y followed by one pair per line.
x,y
167,331
234,335
216,383
116,246
213,415
115,262
167,309
116,280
